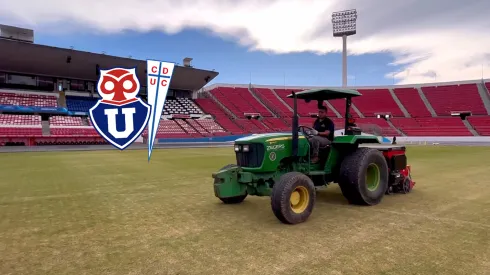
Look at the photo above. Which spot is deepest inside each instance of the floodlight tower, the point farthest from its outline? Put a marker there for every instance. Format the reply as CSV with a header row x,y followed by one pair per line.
x,y
344,24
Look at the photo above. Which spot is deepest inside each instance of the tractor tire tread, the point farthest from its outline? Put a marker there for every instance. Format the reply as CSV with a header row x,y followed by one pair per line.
x,y
352,173
280,197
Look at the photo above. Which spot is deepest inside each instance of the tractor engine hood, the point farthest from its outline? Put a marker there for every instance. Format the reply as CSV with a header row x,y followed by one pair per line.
x,y
264,152
263,138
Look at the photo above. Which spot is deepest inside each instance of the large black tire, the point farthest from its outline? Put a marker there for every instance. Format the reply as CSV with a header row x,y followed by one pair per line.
x,y
293,198
363,177
232,200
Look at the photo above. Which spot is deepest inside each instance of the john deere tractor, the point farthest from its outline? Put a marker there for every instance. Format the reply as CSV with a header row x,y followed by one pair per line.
x,y
278,165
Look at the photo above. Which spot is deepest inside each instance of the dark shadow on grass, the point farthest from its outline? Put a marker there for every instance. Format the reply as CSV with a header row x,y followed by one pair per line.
x,y
330,197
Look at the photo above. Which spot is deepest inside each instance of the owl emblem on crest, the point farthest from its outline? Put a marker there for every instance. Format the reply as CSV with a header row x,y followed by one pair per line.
x,y
118,86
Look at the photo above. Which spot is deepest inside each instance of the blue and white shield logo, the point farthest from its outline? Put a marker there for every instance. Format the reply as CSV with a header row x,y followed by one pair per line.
x,y
120,116
120,125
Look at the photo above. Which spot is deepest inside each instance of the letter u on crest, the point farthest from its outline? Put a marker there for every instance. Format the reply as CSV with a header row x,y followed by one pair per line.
x,y
128,121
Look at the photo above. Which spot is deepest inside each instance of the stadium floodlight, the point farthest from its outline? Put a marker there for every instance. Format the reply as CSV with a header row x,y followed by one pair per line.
x,y
344,24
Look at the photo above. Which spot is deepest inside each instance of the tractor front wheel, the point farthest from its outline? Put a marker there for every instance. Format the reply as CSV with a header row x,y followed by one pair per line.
x,y
293,197
363,177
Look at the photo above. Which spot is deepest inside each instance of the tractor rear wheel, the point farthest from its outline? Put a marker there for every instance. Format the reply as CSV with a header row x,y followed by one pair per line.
x,y
293,197
363,177
232,200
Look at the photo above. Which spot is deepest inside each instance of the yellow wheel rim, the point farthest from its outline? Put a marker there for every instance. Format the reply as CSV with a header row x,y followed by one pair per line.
x,y
299,200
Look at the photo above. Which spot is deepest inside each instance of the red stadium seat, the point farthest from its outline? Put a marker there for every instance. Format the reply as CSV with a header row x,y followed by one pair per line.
x,y
239,101
481,124
410,99
20,125
376,101
432,126
169,129
271,99
445,99
27,99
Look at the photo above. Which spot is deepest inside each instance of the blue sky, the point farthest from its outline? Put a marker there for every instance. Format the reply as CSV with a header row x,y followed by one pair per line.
x,y
235,63
416,41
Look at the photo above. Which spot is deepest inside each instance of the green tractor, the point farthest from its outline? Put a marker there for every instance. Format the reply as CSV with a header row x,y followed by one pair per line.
x,y
278,165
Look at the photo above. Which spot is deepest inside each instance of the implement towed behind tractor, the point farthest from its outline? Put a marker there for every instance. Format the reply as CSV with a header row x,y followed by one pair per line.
x,y
278,165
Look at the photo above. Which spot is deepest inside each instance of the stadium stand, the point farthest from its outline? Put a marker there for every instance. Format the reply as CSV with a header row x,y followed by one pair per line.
x,y
410,99
339,105
209,126
168,129
209,106
481,124
70,126
445,99
433,126
80,103
240,101
20,120
191,131
75,131
376,101
304,109
384,128
270,98
277,124
20,125
65,121
181,106
261,101
24,99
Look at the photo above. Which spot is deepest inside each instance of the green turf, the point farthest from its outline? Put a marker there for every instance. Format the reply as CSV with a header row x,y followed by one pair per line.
x,y
111,212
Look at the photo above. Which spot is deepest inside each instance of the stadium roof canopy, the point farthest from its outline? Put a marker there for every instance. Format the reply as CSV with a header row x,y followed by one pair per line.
x,y
41,60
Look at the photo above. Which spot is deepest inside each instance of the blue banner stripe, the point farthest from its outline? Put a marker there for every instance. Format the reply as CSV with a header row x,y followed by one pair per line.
x,y
159,75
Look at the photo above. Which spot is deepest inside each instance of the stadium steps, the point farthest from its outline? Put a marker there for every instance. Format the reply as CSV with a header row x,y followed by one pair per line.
x,y
485,96
337,113
400,132
85,121
45,128
283,102
282,110
252,92
199,128
62,100
399,103
200,131
353,107
260,124
470,127
274,109
426,102
187,128
227,111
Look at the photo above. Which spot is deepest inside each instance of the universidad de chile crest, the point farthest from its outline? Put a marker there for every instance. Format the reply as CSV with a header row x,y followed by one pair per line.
x,y
121,116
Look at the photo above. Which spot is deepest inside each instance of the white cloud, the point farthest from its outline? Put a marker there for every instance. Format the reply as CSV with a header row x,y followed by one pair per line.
x,y
448,38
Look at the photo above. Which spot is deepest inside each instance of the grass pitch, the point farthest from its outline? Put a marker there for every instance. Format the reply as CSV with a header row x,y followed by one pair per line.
x,y
111,212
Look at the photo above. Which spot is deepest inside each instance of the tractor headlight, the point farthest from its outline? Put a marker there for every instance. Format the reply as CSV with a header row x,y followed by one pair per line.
x,y
246,148
237,148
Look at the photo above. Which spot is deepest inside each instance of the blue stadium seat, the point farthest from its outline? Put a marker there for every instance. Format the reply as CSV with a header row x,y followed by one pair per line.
x,y
80,103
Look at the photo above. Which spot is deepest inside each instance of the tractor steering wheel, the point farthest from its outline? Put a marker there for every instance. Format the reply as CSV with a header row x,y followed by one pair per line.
x,y
305,130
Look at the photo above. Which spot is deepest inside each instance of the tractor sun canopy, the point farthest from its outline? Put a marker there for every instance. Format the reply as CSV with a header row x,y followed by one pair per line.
x,y
325,94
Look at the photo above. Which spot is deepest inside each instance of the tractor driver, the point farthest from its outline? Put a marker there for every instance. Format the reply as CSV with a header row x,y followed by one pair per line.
x,y
323,134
